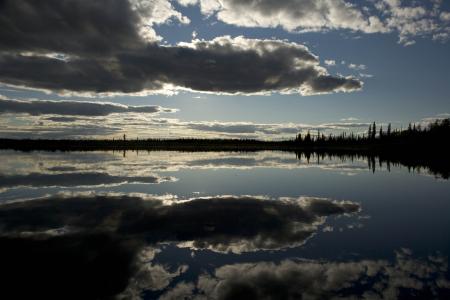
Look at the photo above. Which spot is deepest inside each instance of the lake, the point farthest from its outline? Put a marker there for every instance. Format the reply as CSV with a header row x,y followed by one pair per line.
x,y
220,225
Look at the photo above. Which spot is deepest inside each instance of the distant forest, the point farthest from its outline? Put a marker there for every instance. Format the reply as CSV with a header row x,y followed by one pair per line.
x,y
414,147
435,133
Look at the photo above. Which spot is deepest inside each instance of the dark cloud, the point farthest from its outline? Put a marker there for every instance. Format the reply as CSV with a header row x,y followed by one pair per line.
x,y
224,65
78,266
201,223
74,108
39,130
75,179
327,83
62,169
63,119
68,26
85,47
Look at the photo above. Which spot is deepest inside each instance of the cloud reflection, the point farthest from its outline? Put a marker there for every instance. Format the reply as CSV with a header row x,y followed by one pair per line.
x,y
97,247
405,278
78,179
138,163
201,223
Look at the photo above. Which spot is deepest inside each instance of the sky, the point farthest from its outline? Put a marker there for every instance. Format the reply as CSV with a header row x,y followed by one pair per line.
x,y
264,69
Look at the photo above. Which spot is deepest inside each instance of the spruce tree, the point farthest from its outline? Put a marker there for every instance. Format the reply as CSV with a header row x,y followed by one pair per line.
x,y
374,130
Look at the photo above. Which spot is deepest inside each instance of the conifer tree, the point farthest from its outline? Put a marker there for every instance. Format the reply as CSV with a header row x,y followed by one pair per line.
x,y
308,137
374,130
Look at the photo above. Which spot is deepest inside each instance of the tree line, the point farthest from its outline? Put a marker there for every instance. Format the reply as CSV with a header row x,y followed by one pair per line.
x,y
435,133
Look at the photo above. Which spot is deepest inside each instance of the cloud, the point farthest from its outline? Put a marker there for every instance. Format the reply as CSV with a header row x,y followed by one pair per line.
x,y
330,62
349,119
412,21
112,167
442,36
365,75
258,129
73,108
149,276
230,127
201,223
72,179
49,267
345,125
445,16
424,122
385,16
79,47
292,14
81,28
148,126
63,119
406,277
93,265
223,65
357,67
69,131
104,246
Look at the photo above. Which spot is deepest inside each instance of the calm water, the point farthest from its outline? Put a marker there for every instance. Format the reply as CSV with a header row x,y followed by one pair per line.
x,y
175,225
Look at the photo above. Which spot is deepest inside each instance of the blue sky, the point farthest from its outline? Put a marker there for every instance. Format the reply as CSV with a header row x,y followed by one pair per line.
x,y
404,73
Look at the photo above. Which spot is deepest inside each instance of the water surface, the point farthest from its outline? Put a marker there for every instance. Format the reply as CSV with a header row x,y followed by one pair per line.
x,y
220,225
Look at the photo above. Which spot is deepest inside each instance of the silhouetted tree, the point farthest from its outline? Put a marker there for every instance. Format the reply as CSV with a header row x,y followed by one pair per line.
x,y
374,130
308,137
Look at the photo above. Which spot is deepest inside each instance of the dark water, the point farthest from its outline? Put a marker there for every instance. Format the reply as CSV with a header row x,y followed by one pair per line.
x,y
267,225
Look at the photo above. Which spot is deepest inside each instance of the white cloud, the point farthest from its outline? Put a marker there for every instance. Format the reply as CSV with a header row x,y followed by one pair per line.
x,y
187,2
357,67
410,21
349,119
445,16
381,16
147,125
442,36
292,14
365,75
314,279
157,12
